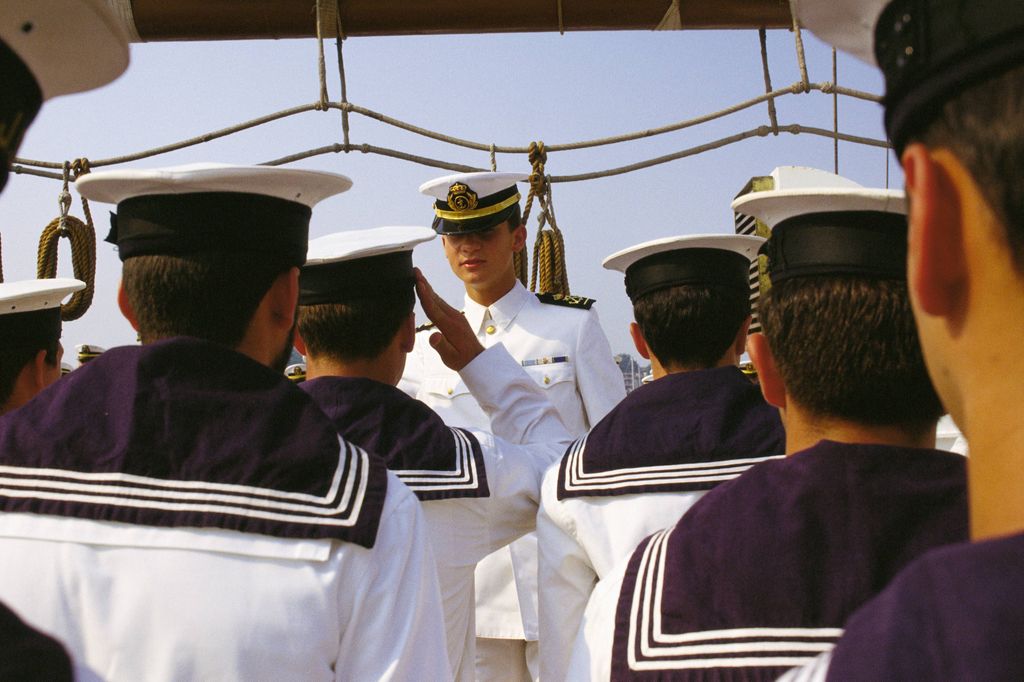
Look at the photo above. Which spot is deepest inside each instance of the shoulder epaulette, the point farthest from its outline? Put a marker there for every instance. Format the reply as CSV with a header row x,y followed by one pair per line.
x,y
425,327
569,301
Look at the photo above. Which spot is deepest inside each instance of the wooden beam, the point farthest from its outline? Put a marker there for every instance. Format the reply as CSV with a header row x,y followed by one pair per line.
x,y
161,20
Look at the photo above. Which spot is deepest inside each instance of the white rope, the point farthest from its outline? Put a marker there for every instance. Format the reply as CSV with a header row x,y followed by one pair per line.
x,y
321,62
123,11
799,41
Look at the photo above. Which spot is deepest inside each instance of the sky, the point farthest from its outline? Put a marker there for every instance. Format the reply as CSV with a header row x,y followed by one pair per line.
x,y
501,89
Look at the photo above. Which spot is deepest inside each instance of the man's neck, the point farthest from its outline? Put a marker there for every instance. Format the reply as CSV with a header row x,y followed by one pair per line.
x,y
804,430
488,295
658,370
317,367
991,421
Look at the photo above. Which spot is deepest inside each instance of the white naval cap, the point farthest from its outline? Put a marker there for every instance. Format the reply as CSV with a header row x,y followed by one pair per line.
x,y
831,231
47,35
211,207
360,264
39,59
29,295
30,309
306,187
356,244
707,259
473,202
928,50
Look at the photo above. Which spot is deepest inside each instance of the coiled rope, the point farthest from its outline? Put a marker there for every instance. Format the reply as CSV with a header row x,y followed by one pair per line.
x,y
549,275
82,236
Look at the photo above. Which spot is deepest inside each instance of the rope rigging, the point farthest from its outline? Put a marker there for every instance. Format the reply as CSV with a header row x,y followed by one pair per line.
x,y
549,247
81,235
548,274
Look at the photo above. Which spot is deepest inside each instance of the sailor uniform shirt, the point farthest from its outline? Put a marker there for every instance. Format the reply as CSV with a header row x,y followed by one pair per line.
x,y
636,472
561,345
479,491
761,574
179,511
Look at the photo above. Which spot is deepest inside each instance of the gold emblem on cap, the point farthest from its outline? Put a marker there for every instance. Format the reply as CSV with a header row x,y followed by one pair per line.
x,y
461,197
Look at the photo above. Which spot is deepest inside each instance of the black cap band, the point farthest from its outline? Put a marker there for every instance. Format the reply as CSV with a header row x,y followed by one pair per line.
x,y
464,213
358,279
18,106
33,328
869,243
687,266
211,222
931,49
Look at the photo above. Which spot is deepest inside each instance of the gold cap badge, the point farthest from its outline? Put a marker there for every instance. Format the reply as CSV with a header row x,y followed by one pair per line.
x,y
461,197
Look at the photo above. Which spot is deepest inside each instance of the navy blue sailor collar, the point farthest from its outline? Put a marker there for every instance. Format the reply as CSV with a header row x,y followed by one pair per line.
x,y
434,460
765,570
188,433
683,432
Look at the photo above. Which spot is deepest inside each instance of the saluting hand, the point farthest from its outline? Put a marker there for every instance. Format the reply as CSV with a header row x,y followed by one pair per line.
x,y
454,339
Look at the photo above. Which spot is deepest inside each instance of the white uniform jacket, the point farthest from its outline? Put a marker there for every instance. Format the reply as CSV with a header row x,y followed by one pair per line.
x,y
179,512
479,491
562,347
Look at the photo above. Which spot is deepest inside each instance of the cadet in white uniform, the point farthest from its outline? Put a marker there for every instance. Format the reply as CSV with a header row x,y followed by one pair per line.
x,y
561,345
479,491
701,421
180,510
34,67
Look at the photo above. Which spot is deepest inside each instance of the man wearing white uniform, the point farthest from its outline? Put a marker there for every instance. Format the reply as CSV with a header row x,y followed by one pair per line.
x,y
701,421
34,67
559,342
479,491
180,510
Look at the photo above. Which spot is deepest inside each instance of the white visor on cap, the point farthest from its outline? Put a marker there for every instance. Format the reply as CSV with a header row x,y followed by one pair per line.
x,y
36,294
305,187
484,184
48,34
745,245
774,206
356,244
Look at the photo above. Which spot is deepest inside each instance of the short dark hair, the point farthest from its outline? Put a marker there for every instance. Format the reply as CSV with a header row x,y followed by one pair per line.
x,y
358,330
15,355
691,326
211,296
983,125
846,347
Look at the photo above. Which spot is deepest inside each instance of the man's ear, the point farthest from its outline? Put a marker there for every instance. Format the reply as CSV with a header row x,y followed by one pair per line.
x,y
639,342
126,307
299,342
37,372
772,386
519,238
936,263
739,343
282,299
408,332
